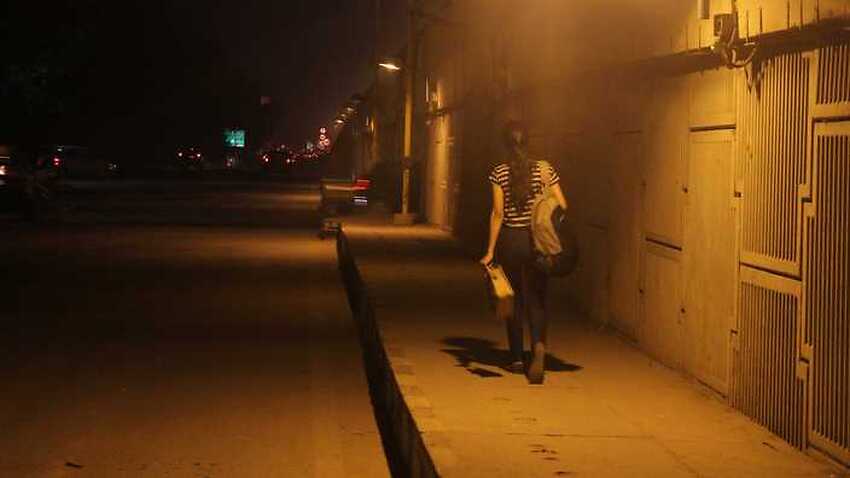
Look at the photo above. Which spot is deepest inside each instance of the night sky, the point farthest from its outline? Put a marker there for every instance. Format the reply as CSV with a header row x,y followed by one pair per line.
x,y
143,75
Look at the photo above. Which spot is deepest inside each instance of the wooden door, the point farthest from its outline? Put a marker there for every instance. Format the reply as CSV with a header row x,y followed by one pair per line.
x,y
709,257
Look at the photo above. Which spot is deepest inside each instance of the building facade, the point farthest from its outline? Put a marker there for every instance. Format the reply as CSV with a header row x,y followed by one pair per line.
x,y
704,148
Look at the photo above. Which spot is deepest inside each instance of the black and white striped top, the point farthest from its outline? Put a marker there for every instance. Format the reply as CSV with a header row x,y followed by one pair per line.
x,y
513,216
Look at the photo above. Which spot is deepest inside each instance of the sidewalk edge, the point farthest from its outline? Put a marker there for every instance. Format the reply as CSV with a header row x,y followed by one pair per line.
x,y
407,454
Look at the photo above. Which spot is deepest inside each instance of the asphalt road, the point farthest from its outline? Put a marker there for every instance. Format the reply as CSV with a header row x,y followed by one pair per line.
x,y
180,329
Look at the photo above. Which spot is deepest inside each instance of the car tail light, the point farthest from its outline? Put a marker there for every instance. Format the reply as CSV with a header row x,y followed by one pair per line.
x,y
362,185
361,188
57,161
3,169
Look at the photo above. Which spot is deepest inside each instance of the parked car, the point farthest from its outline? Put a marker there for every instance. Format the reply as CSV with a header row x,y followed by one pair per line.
x,y
6,172
276,161
340,195
232,161
343,185
190,159
28,181
78,162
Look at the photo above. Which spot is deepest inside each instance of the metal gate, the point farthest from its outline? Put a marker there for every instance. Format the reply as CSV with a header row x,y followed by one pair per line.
x,y
827,290
826,295
768,383
791,359
773,134
768,375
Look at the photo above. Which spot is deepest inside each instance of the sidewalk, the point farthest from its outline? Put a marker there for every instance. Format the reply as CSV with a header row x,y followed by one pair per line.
x,y
605,409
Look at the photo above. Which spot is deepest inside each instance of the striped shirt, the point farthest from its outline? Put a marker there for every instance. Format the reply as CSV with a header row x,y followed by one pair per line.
x,y
500,175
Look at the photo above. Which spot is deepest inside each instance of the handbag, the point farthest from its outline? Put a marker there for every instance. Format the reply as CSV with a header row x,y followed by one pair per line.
x,y
555,245
499,291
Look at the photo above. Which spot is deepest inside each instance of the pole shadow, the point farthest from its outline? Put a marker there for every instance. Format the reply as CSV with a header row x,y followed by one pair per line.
x,y
472,353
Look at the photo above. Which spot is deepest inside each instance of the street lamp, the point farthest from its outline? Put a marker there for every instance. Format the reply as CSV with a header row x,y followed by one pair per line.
x,y
388,65
409,65
405,217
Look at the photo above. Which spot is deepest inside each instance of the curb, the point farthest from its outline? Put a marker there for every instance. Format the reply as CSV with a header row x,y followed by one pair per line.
x,y
407,454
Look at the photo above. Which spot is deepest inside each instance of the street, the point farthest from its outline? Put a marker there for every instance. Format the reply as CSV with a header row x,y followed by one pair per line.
x,y
255,238
180,329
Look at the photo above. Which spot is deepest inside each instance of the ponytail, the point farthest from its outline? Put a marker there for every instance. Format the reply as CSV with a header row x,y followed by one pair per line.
x,y
519,163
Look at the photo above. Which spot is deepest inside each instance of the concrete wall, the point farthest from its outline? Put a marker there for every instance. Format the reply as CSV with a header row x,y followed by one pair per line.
x,y
694,187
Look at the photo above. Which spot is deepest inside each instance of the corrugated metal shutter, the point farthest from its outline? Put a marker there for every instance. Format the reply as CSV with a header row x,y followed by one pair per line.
x,y
773,131
827,290
834,75
768,381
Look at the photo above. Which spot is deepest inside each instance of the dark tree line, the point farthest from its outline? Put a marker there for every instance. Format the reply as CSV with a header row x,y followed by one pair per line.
x,y
115,74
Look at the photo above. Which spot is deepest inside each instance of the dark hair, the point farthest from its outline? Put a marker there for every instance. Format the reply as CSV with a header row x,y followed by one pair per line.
x,y
519,163
507,134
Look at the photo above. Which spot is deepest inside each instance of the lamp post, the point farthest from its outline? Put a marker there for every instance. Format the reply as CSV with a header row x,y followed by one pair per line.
x,y
405,217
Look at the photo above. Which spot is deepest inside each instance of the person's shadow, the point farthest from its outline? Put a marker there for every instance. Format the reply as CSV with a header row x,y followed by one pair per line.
x,y
472,353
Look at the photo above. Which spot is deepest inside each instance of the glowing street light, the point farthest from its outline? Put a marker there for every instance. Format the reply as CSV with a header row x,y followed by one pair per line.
x,y
389,66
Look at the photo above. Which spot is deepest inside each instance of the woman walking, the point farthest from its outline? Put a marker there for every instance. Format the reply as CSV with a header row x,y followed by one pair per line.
x,y
515,185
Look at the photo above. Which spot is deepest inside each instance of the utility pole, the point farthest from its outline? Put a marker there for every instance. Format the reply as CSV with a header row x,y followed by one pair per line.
x,y
406,217
375,150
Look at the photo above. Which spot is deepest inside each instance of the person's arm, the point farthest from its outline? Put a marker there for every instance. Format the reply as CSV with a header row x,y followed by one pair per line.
x,y
496,215
559,195
555,186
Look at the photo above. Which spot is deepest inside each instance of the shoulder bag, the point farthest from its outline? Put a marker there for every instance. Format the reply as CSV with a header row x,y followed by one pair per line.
x,y
555,244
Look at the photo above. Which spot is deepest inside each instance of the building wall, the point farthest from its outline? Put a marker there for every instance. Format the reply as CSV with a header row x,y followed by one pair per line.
x,y
711,203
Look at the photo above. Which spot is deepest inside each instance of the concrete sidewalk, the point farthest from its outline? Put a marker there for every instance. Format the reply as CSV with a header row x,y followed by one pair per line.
x,y
606,409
